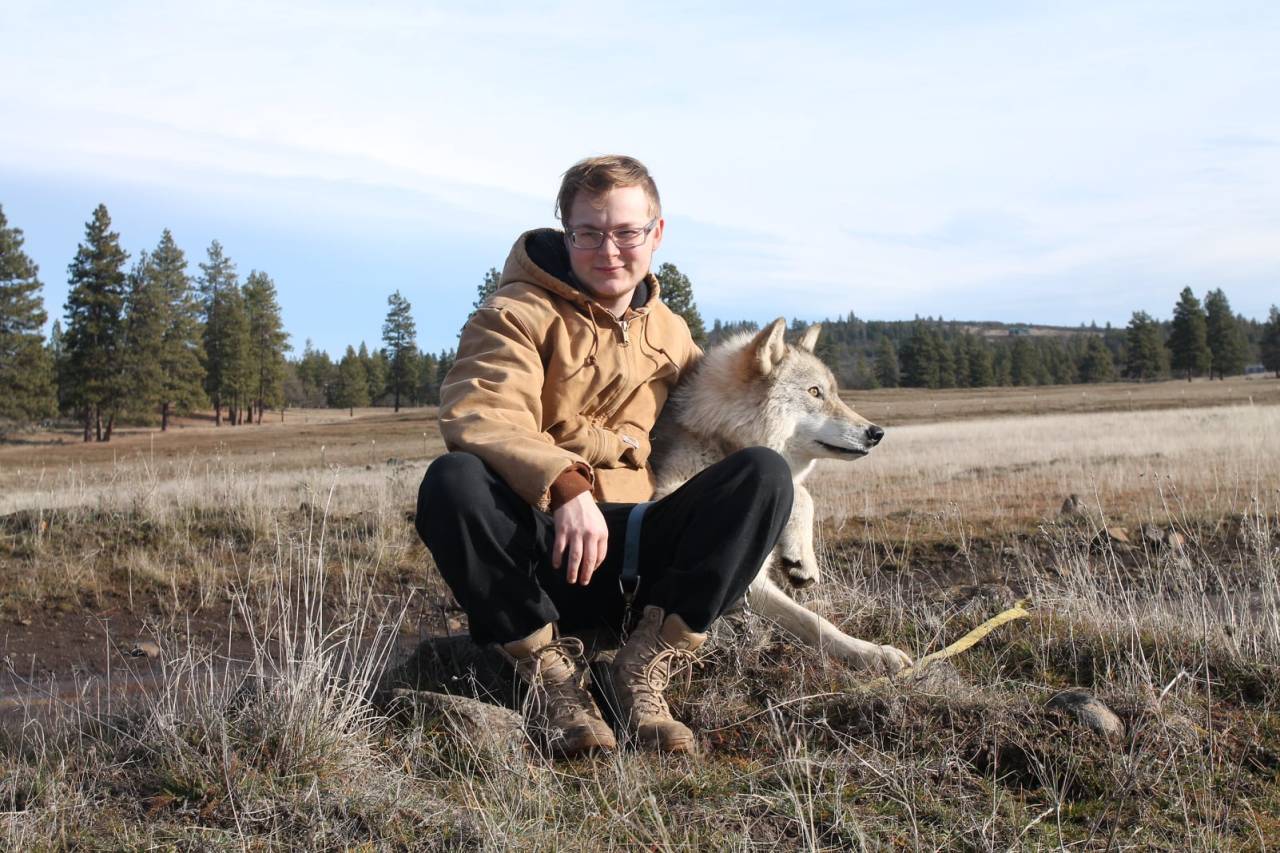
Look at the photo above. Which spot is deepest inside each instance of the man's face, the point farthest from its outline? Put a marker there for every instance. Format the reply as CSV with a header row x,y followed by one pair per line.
x,y
610,273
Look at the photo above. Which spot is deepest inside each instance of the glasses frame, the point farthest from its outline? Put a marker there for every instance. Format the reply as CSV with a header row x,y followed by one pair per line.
x,y
572,236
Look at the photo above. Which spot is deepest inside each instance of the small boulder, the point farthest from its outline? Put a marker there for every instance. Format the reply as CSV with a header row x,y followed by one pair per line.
x,y
145,649
480,724
1088,711
1112,539
1072,507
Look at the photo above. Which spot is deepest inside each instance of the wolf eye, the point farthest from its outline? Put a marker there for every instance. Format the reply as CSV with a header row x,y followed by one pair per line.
x,y
815,391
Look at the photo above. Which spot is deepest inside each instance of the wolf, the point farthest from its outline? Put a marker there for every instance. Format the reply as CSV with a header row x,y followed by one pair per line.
x,y
758,390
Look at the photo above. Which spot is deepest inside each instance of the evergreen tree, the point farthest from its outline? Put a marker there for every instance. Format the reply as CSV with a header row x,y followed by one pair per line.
x,y
26,367
353,382
485,289
1226,341
428,379
675,289
317,376
918,358
444,363
94,333
1097,365
1144,351
268,343
226,332
58,358
1188,336
181,353
375,371
1270,344
146,316
886,363
400,336
981,363
1024,363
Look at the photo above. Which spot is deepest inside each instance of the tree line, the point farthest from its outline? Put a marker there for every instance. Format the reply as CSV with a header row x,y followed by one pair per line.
x,y
144,342
1199,340
152,341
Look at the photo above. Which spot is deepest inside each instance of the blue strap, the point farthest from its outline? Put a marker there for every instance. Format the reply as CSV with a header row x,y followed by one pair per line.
x,y
629,580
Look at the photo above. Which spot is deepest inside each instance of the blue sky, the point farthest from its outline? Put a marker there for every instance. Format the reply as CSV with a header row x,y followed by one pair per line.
x,y
1053,163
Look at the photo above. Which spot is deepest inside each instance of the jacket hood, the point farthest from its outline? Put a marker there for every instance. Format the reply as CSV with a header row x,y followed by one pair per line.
x,y
540,257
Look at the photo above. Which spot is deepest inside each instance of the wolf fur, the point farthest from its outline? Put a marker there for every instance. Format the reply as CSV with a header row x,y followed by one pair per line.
x,y
758,390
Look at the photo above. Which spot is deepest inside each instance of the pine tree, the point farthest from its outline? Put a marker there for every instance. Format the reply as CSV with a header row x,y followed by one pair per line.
x,y
1226,341
226,333
26,367
353,382
887,364
1144,351
401,338
981,363
94,332
675,289
146,317
428,379
182,353
1024,363
485,289
268,343
317,375
58,359
1097,365
1188,336
1269,346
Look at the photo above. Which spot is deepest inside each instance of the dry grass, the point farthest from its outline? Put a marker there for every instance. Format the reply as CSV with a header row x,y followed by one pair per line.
x,y
945,524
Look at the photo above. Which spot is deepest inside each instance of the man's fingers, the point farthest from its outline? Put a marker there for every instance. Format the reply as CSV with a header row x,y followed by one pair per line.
x,y
557,550
575,559
588,561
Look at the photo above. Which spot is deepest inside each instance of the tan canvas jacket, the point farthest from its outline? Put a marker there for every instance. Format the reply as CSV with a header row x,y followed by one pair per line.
x,y
547,380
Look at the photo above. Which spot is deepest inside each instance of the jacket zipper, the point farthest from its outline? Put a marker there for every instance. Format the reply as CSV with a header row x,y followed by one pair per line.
x,y
626,338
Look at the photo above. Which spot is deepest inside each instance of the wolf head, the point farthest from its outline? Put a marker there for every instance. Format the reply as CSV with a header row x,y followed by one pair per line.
x,y
760,390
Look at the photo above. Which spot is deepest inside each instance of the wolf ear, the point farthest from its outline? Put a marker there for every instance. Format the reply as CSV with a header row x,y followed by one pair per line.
x,y
810,337
769,346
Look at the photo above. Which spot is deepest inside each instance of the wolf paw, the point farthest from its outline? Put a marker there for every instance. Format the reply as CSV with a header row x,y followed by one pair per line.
x,y
893,659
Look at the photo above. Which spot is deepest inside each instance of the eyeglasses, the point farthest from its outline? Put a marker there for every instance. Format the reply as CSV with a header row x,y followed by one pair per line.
x,y
623,238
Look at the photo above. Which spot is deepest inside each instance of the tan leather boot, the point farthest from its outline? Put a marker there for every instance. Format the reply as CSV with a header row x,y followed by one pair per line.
x,y
641,672
560,707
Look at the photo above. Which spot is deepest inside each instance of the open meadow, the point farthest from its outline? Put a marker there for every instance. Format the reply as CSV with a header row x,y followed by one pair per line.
x,y
192,625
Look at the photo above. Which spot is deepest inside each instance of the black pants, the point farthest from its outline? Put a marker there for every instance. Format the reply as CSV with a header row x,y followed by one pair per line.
x,y
700,546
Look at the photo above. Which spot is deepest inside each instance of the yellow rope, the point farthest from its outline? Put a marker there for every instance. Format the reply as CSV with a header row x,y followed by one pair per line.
x,y
963,644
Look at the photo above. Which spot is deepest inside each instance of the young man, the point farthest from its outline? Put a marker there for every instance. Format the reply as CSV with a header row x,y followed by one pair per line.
x,y
558,381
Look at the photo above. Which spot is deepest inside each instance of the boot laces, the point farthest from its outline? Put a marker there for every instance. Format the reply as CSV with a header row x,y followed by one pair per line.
x,y
567,695
656,676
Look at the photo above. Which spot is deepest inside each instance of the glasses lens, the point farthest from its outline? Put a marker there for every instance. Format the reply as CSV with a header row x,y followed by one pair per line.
x,y
628,237
586,239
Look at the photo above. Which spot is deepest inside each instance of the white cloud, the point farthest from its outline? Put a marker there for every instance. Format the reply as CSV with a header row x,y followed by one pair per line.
x,y
897,158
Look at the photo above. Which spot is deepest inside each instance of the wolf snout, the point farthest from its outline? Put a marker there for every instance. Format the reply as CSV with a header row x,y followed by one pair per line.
x,y
874,434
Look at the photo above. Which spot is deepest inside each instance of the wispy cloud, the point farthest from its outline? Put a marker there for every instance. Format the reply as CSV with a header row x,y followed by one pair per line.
x,y
887,159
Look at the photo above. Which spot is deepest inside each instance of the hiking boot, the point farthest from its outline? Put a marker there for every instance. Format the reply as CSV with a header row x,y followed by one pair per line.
x,y
560,707
641,672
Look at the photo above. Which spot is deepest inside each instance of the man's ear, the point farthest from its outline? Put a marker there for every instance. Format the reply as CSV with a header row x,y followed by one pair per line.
x,y
768,347
810,337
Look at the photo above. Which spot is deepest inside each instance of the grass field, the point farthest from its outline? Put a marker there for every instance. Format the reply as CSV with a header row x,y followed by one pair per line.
x,y
277,571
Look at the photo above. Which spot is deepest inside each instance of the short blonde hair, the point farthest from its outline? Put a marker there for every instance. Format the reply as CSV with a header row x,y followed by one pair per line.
x,y
597,175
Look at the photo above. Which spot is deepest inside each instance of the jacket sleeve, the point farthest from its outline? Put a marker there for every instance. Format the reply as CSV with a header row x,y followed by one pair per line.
x,y
491,405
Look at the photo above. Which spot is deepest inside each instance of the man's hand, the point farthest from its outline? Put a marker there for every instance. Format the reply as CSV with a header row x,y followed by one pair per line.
x,y
582,539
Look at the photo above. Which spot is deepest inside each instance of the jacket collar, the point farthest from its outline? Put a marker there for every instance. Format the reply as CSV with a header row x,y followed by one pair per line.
x,y
540,257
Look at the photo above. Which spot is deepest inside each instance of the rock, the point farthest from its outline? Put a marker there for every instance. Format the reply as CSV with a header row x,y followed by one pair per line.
x,y
1161,538
1112,538
1088,711
480,724
145,649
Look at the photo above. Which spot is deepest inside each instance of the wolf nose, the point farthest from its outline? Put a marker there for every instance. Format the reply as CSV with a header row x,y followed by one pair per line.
x,y
874,434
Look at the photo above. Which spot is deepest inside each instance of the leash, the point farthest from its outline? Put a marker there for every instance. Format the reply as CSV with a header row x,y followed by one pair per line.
x,y
629,579
968,641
